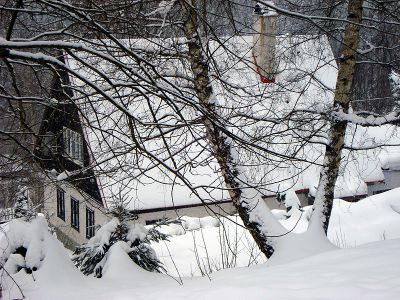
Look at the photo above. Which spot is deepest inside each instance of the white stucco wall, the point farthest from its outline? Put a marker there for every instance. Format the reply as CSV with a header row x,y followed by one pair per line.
x,y
50,207
78,237
223,209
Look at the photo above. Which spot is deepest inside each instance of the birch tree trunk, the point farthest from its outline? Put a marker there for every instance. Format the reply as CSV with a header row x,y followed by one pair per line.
x,y
333,154
255,214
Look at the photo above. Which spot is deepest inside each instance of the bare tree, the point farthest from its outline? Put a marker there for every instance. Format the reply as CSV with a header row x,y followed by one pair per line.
x,y
337,131
163,90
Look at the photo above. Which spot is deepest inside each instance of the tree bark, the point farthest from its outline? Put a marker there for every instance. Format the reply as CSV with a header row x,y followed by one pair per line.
x,y
255,214
336,135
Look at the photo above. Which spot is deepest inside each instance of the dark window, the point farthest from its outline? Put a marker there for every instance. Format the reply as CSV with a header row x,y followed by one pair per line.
x,y
151,222
75,213
61,204
73,145
90,227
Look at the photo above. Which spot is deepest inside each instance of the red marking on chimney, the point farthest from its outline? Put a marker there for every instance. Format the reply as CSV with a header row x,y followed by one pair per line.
x,y
263,79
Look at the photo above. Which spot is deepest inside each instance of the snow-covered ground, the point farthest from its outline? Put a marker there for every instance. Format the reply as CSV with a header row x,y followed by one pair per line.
x,y
368,271
195,252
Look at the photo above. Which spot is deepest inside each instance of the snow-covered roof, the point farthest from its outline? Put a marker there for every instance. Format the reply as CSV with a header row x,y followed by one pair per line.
x,y
306,79
359,168
391,161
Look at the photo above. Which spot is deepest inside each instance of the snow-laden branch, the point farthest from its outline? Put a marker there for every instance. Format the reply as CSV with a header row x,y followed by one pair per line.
x,y
371,121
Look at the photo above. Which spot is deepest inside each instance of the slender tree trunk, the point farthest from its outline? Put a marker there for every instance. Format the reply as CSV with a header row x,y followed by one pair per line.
x,y
333,154
255,214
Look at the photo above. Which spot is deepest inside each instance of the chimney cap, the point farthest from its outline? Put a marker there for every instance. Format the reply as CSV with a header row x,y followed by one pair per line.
x,y
266,11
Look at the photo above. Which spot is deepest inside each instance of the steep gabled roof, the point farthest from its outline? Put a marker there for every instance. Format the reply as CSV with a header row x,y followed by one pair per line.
x,y
306,81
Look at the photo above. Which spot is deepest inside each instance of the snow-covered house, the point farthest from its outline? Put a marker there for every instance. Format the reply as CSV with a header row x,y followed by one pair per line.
x,y
73,151
72,195
299,69
53,162
304,69
156,198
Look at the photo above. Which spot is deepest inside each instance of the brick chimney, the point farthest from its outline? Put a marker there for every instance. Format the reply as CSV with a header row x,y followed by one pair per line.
x,y
264,40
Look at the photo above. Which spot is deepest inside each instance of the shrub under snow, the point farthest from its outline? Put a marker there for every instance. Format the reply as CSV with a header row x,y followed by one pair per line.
x,y
91,257
22,245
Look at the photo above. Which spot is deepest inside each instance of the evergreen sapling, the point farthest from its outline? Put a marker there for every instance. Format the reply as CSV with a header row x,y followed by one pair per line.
x,y
91,257
23,207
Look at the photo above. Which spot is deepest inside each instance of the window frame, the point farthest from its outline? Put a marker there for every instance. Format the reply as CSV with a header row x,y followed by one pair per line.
x,y
73,145
61,204
75,214
90,223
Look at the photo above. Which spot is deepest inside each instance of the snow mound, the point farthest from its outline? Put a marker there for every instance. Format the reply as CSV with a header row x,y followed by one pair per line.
x,y
368,272
372,219
23,243
118,262
186,223
34,258
190,223
291,199
103,235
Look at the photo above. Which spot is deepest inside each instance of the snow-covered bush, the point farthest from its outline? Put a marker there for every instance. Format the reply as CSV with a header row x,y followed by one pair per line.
x,y
290,200
22,245
90,258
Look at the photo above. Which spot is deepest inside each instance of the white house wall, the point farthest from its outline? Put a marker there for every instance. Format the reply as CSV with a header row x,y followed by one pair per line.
x,y
222,209
67,234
